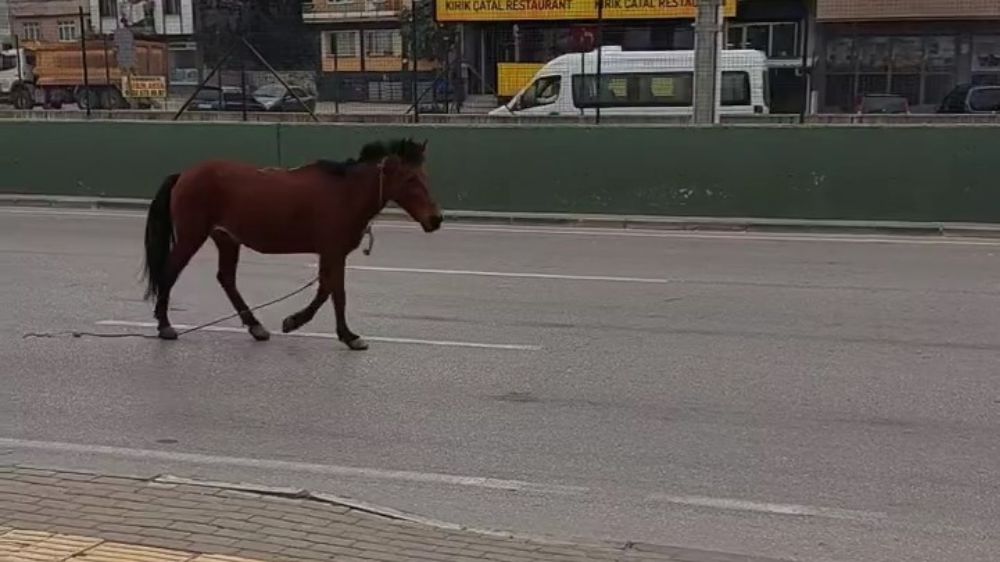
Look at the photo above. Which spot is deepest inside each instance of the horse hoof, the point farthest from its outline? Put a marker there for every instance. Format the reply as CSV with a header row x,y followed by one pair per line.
x,y
289,324
357,344
167,333
260,333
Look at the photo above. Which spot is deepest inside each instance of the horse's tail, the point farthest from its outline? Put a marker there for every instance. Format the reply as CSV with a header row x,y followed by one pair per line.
x,y
159,237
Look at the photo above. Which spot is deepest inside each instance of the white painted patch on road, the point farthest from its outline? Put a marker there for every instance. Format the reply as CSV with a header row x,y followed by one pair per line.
x,y
329,336
512,274
767,507
294,466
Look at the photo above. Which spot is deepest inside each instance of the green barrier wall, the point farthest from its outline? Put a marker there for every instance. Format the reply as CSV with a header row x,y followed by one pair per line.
x,y
118,159
905,173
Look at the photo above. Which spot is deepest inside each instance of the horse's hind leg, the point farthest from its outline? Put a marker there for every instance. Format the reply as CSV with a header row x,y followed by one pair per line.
x,y
301,318
229,255
189,240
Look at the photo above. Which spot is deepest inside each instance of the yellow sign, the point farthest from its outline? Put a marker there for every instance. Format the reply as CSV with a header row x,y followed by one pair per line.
x,y
512,76
528,10
154,87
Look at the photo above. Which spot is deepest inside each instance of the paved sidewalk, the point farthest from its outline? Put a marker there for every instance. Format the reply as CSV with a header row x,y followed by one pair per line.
x,y
99,518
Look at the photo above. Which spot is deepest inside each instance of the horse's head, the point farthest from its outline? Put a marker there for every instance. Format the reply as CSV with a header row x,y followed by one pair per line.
x,y
406,183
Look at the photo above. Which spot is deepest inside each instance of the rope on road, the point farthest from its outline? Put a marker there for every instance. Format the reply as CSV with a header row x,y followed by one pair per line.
x,y
80,334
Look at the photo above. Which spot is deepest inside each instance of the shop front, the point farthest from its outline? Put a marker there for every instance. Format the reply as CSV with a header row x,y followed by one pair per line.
x,y
919,49
505,41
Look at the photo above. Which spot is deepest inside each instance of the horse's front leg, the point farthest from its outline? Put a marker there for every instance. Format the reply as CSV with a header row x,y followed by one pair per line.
x,y
339,296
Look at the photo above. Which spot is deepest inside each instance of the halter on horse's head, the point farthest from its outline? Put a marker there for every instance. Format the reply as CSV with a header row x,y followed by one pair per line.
x,y
403,179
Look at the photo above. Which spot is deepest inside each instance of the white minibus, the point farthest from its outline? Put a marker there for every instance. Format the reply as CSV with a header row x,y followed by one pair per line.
x,y
638,83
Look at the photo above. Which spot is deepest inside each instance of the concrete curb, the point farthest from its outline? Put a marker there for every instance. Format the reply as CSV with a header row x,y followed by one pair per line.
x,y
633,222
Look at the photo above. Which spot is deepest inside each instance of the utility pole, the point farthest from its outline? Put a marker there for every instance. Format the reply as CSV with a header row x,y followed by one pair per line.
x,y
707,47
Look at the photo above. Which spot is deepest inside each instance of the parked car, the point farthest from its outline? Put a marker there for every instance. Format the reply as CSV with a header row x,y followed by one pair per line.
x,y
227,98
270,97
969,98
274,97
882,104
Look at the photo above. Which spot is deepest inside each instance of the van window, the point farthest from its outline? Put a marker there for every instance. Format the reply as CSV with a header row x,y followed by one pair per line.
x,y
735,88
543,91
653,89
661,89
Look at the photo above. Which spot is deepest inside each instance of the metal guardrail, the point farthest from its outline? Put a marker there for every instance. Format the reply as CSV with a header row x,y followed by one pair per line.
x,y
480,119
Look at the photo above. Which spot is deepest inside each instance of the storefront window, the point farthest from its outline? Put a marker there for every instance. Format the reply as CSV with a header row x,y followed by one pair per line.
x,y
784,41
986,59
920,68
907,54
778,40
840,55
941,54
758,38
873,54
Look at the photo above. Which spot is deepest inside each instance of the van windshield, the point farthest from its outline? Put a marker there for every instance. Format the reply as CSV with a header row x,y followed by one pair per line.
x,y
8,61
543,91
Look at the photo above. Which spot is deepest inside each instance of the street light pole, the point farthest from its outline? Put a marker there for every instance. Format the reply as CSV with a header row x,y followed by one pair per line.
x,y
707,34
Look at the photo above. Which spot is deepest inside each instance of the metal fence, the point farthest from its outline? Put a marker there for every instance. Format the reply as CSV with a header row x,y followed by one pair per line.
x,y
604,61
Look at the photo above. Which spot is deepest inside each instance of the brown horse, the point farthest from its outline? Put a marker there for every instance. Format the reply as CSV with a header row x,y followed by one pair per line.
x,y
321,208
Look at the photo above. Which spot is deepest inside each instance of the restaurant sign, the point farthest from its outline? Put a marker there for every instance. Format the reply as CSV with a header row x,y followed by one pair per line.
x,y
531,10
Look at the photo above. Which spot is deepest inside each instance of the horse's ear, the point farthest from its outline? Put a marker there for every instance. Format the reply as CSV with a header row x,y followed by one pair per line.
x,y
423,146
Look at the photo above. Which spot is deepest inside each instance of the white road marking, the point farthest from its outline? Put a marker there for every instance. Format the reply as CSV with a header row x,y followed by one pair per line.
x,y
325,335
511,274
596,231
766,507
73,213
294,466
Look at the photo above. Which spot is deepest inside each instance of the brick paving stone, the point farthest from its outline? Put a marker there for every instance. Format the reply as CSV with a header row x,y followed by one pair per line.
x,y
211,539
162,533
235,534
286,533
271,522
258,546
193,527
210,548
335,550
305,553
235,524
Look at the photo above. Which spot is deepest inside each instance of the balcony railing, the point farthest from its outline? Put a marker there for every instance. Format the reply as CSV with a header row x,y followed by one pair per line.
x,y
336,10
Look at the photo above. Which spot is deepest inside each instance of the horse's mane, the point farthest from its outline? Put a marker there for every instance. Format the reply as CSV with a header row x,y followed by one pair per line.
x,y
410,152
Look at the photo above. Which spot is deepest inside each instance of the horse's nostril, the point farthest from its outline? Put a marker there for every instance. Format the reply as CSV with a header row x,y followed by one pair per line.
x,y
436,221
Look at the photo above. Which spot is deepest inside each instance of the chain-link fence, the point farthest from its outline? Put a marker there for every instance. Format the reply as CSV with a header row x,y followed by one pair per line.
x,y
577,59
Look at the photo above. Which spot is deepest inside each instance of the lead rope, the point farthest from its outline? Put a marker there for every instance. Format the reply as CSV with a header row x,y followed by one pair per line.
x,y
381,201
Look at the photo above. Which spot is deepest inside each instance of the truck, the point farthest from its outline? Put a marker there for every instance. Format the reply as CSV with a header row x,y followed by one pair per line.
x,y
52,74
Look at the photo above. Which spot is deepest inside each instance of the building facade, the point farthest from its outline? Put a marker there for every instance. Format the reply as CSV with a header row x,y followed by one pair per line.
x,y
172,20
919,49
47,20
6,35
362,51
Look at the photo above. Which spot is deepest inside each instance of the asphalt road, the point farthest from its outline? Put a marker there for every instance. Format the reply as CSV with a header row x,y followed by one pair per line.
x,y
803,397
